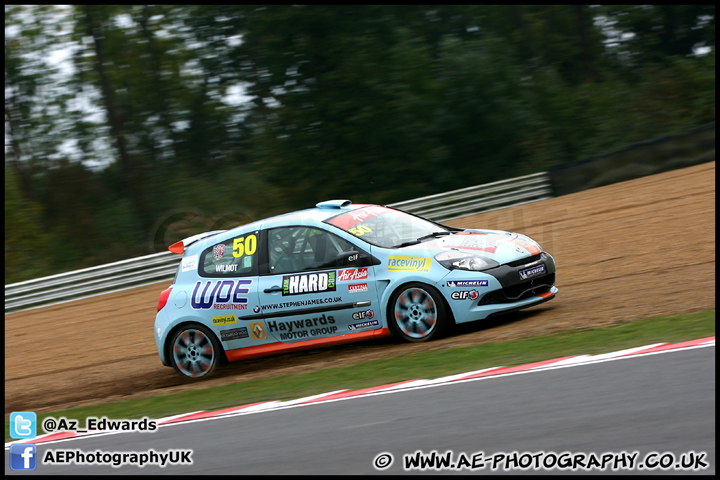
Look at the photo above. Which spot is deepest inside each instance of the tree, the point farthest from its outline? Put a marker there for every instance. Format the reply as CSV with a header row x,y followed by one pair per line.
x,y
654,34
26,245
208,113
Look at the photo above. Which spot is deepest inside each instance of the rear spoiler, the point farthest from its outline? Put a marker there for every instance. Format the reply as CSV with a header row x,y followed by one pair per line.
x,y
179,247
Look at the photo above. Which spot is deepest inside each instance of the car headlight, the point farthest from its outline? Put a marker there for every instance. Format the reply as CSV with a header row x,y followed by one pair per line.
x,y
464,261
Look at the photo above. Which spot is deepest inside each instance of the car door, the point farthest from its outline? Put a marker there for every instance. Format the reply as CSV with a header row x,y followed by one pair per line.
x,y
317,285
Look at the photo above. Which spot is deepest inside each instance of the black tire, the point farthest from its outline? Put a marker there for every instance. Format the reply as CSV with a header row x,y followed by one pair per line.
x,y
194,351
417,313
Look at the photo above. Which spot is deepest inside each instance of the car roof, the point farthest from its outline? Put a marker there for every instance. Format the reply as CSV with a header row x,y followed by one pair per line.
x,y
321,212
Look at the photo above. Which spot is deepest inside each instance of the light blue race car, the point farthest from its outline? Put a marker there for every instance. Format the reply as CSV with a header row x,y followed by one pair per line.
x,y
337,273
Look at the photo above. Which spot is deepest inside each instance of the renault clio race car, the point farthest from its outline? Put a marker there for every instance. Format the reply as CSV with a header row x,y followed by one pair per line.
x,y
337,273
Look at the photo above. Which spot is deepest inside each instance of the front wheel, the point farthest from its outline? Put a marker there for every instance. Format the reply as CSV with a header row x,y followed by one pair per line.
x,y
194,351
416,313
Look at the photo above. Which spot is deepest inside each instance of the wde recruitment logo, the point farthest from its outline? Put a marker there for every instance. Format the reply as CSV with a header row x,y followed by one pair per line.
x,y
23,456
23,425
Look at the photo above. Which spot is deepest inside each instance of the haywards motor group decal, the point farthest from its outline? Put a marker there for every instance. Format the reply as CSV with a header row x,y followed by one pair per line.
x,y
397,263
467,283
352,275
221,295
311,327
308,283
532,272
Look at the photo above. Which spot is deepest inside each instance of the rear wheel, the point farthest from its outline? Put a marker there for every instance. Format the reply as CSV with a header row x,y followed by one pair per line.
x,y
417,313
194,351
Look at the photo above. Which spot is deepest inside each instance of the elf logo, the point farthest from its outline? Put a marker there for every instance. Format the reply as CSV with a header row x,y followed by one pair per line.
x,y
360,315
464,295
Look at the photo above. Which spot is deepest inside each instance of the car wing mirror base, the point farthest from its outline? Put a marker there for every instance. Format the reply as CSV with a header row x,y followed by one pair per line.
x,y
355,258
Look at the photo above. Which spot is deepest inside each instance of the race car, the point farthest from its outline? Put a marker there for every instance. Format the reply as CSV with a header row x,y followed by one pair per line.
x,y
340,272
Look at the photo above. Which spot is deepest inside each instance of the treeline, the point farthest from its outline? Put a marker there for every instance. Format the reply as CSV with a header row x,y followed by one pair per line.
x,y
163,121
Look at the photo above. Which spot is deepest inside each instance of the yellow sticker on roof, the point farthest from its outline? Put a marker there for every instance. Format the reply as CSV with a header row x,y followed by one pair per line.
x,y
397,263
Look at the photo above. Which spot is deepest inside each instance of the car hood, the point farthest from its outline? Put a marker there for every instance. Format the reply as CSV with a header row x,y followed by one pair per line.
x,y
500,246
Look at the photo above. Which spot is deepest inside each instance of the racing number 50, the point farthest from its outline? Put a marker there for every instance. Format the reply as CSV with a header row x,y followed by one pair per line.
x,y
360,230
244,246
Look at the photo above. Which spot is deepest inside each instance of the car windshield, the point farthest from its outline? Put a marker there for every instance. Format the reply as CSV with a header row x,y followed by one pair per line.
x,y
387,227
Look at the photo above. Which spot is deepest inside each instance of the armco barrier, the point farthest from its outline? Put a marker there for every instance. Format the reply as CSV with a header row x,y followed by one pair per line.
x,y
150,269
481,198
89,282
634,161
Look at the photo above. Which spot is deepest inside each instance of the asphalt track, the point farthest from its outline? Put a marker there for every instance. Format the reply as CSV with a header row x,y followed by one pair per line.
x,y
660,406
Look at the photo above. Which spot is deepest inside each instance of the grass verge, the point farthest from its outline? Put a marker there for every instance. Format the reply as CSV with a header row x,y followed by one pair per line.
x,y
432,364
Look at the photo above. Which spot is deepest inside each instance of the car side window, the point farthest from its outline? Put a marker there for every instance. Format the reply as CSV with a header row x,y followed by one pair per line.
x,y
295,249
234,257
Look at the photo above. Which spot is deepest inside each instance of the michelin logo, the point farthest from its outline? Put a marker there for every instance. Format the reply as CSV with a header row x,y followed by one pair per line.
x,y
358,326
468,283
532,272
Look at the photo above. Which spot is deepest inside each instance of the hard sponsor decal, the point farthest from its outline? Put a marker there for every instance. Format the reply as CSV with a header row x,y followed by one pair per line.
x,y
358,326
352,275
234,334
309,283
310,327
532,272
224,320
398,263
257,331
224,295
467,283
189,263
360,287
464,295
